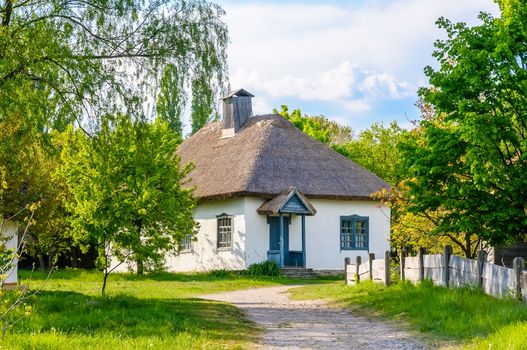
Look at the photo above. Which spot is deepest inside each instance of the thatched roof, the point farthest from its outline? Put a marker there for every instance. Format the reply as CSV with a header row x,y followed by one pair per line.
x,y
267,156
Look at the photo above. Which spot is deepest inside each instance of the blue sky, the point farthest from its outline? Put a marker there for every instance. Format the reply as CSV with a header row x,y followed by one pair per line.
x,y
357,62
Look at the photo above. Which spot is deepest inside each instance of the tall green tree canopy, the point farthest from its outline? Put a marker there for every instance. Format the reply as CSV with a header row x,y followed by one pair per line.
x,y
376,149
129,198
67,59
318,127
470,162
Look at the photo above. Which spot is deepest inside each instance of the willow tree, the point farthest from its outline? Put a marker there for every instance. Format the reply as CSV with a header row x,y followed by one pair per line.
x,y
66,60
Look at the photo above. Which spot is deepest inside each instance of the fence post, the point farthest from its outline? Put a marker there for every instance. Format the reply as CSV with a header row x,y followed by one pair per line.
x,y
482,259
387,271
346,264
420,255
518,264
358,261
446,262
371,257
402,263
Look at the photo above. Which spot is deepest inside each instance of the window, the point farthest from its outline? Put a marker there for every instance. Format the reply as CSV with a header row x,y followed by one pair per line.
x,y
224,231
186,244
354,232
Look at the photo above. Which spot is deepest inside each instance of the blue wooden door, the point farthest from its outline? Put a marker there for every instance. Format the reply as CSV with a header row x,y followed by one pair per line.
x,y
274,239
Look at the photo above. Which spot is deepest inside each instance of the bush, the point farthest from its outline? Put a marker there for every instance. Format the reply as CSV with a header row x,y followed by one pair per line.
x,y
220,273
266,268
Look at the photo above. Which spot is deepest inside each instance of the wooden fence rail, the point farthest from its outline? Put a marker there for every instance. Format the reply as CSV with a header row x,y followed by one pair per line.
x,y
377,270
446,270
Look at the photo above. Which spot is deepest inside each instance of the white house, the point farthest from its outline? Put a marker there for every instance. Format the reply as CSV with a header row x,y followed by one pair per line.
x,y
9,238
268,191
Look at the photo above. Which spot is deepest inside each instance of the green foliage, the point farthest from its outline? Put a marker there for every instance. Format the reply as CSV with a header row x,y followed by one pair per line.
x,y
169,104
76,62
470,161
220,273
460,314
318,127
69,60
376,150
127,191
12,310
29,159
265,268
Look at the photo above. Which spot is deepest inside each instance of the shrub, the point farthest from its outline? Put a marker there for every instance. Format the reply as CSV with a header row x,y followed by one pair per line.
x,y
220,273
266,268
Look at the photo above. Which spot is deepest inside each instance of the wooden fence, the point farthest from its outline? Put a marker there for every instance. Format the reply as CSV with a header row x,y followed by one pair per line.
x,y
446,270
377,270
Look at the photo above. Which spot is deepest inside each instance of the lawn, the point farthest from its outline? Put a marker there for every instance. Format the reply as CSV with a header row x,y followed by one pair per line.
x,y
468,318
157,311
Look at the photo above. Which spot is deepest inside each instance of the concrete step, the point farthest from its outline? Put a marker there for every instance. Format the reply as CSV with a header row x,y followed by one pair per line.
x,y
298,272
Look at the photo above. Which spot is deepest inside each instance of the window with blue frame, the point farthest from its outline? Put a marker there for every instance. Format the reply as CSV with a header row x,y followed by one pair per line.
x,y
354,232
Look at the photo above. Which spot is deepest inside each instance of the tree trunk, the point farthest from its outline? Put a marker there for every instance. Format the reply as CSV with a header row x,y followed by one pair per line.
x,y
104,281
42,263
74,258
8,10
470,248
140,267
139,260
50,259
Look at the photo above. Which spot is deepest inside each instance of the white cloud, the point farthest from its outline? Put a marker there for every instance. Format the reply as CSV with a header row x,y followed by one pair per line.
x,y
381,84
357,106
338,84
329,85
351,56
395,36
261,105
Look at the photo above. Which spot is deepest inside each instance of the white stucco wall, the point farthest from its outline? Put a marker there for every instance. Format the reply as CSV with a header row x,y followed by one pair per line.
x,y
205,255
251,235
9,230
322,232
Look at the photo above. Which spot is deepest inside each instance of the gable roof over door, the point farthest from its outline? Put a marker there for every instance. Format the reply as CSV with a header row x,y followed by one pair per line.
x,y
289,201
267,156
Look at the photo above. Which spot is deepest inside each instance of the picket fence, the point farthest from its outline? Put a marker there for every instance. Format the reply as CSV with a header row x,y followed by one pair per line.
x,y
446,270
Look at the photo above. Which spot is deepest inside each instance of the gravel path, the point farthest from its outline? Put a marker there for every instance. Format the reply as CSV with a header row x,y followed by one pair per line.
x,y
312,324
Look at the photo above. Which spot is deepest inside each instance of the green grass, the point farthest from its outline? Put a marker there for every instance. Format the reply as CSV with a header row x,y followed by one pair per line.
x,y
465,316
158,311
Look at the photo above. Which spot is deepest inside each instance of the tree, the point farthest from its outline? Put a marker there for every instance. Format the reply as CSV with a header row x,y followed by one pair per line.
x,y
379,149
82,60
376,150
318,127
28,161
128,196
470,162
75,62
169,104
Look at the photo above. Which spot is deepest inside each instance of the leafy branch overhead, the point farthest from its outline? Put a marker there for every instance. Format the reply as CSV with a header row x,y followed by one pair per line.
x,y
87,59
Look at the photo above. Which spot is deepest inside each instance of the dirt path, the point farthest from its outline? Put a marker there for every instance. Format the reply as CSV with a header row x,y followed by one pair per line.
x,y
312,324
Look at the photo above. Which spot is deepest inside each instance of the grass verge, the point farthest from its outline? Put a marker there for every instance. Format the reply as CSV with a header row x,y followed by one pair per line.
x,y
466,316
158,311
